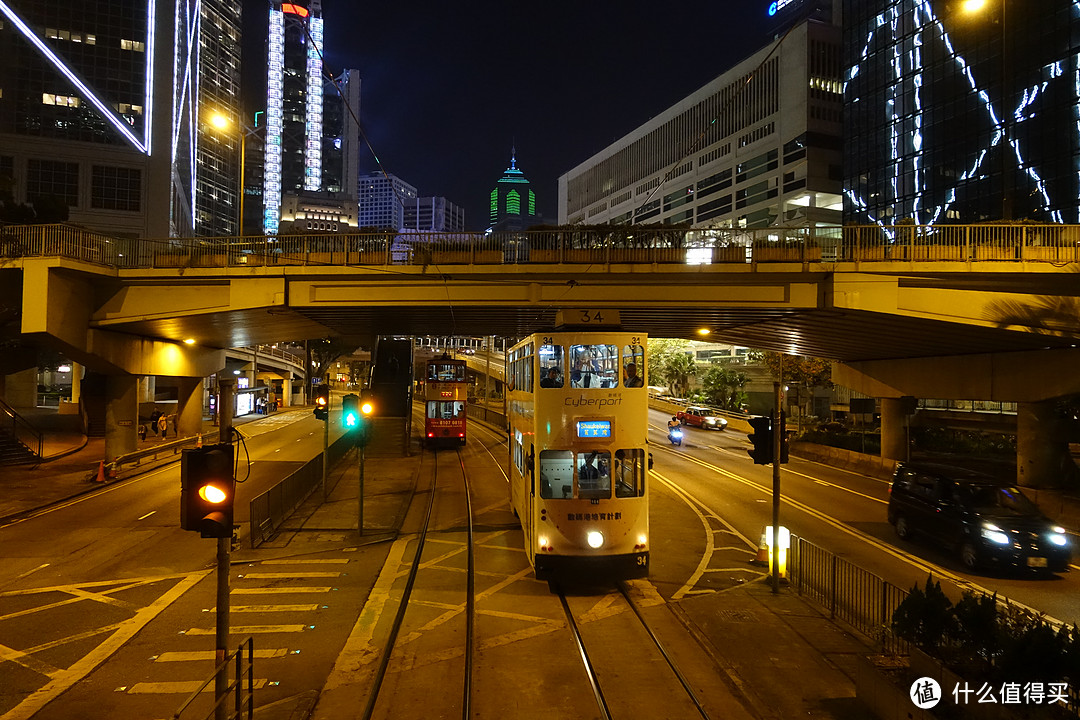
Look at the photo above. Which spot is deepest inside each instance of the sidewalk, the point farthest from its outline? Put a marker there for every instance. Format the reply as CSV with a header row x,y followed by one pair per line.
x,y
72,460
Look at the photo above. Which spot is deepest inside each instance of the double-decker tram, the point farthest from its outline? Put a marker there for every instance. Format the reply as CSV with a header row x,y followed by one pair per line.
x,y
445,394
578,425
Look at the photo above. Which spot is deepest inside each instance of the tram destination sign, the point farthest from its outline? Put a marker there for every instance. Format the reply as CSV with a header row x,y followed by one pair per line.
x,y
594,428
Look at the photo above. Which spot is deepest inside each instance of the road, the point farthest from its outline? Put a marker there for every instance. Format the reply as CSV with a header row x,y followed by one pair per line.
x,y
104,600
841,511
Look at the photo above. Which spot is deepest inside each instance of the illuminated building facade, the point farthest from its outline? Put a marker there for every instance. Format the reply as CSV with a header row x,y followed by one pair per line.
x,y
512,201
434,213
955,117
101,109
383,199
758,146
294,107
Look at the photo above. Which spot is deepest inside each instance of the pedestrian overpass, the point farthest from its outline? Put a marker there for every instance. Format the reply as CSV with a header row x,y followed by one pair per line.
x,y
968,312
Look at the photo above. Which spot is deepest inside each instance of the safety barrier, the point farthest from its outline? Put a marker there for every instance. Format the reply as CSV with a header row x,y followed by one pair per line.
x,y
1057,244
272,508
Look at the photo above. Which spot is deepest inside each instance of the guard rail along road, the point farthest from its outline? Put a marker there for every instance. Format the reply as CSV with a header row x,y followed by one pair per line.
x,y
1056,244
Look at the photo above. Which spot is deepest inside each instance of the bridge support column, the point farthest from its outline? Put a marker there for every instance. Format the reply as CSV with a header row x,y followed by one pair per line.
x,y
286,391
20,389
189,406
1042,451
121,415
894,429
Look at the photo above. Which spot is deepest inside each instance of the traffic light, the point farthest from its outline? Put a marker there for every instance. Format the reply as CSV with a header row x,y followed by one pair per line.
x,y
762,440
783,438
350,411
207,488
367,408
322,402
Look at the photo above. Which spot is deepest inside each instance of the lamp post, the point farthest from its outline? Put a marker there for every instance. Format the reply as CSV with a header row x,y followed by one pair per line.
x,y
225,124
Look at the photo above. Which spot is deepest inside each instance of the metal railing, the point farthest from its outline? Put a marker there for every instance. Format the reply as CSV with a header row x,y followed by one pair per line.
x,y
859,598
272,508
21,429
152,453
243,694
1056,244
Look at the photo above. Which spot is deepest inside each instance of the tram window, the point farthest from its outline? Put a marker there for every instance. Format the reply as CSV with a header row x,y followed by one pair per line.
x,y
556,474
551,358
594,474
633,362
446,372
629,473
594,366
444,410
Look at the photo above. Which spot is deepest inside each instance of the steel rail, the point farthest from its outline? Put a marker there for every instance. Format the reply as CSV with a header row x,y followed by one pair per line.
x,y
594,682
660,647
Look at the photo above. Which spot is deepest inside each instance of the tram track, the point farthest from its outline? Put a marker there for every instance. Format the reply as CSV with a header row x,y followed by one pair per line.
x,y
630,692
430,595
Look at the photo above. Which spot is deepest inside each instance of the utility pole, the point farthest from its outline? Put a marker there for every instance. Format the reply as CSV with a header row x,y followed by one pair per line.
x,y
777,439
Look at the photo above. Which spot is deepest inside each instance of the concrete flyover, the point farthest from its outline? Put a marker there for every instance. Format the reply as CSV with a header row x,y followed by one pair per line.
x,y
959,312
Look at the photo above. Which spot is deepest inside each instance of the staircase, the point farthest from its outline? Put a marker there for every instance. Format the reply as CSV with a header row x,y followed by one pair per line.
x,y
18,438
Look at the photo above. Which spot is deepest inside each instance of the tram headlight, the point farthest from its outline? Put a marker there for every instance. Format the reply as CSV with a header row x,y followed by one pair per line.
x,y
595,538
642,540
543,542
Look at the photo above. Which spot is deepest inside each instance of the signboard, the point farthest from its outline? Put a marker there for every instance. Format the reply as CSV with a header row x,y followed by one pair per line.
x,y
594,428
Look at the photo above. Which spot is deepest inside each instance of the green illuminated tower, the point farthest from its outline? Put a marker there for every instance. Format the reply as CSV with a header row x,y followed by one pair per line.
x,y
513,204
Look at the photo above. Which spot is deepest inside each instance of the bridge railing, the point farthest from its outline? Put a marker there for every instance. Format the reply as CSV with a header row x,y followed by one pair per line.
x,y
563,245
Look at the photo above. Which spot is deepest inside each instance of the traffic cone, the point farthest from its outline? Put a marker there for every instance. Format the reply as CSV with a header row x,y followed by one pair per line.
x,y
762,557
198,440
101,472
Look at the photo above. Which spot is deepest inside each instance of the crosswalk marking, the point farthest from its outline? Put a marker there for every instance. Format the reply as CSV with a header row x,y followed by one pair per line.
x,y
290,576
250,629
181,687
312,561
203,655
279,590
270,608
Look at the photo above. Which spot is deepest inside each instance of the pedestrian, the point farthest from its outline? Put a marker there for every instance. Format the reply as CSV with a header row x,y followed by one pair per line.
x,y
154,417
163,425
142,432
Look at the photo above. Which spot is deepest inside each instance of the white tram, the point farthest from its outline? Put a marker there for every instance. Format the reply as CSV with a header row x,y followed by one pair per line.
x,y
578,404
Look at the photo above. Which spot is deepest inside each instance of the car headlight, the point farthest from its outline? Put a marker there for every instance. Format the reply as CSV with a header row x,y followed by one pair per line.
x,y
995,534
1057,536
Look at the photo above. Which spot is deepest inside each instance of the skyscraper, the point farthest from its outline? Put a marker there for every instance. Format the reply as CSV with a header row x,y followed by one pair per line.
x,y
513,203
101,111
956,117
383,199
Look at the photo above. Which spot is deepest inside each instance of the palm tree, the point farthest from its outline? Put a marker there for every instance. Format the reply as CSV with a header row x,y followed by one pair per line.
x,y
678,369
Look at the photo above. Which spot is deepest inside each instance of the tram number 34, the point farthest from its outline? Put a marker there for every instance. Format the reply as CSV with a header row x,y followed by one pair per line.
x,y
588,317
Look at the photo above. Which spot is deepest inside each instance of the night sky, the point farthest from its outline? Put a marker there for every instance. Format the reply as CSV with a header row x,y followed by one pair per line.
x,y
447,88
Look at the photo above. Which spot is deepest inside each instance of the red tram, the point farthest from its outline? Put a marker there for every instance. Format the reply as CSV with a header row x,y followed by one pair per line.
x,y
445,394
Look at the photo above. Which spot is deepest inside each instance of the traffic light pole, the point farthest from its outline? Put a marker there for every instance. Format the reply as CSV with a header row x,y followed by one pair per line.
x,y
360,513
224,550
777,436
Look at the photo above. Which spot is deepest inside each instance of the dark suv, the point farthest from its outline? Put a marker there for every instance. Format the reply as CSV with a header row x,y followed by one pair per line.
x,y
986,521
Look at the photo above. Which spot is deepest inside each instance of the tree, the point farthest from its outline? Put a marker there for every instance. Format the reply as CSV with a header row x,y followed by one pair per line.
x,y
326,351
660,351
723,387
802,373
678,368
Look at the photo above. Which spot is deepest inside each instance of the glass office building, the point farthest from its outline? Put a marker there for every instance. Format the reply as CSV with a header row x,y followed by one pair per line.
x,y
961,117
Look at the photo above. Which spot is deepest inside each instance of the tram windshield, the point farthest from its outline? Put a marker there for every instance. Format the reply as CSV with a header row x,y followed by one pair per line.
x,y
628,473
551,366
446,372
594,366
448,410
560,468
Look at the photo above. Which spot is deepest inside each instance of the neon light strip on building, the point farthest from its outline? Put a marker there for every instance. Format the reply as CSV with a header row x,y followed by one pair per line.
x,y
313,126
274,116
107,112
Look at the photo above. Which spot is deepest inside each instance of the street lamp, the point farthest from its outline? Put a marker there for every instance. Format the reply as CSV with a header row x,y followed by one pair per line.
x,y
225,124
